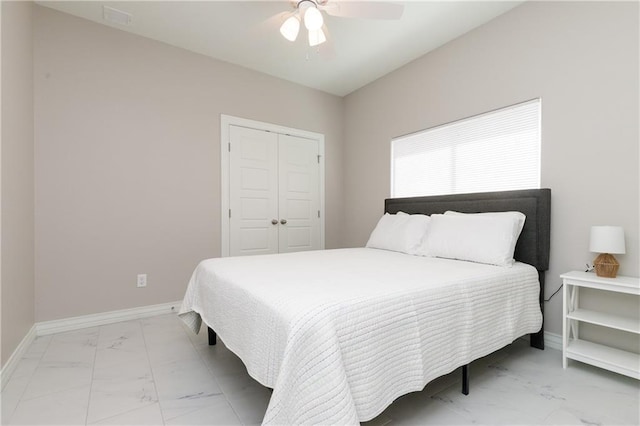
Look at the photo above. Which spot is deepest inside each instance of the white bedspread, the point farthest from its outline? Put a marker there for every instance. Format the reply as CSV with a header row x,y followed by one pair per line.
x,y
340,334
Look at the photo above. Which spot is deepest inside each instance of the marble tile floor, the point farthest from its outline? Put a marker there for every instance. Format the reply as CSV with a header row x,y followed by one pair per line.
x,y
154,371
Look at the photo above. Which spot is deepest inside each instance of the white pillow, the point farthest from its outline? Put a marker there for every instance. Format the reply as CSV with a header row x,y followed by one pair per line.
x,y
399,232
520,217
482,238
415,232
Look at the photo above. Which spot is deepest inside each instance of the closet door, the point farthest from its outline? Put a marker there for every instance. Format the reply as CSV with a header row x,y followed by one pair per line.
x,y
253,190
274,192
299,194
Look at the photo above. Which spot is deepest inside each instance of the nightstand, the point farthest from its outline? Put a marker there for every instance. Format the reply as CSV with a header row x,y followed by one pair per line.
x,y
602,356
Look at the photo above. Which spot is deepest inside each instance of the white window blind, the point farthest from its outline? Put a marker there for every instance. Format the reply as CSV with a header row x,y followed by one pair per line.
x,y
494,151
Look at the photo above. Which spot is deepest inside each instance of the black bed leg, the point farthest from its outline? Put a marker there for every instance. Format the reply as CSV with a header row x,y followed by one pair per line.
x,y
537,339
465,379
212,337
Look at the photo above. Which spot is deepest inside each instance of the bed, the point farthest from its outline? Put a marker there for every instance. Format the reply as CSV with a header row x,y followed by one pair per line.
x,y
340,334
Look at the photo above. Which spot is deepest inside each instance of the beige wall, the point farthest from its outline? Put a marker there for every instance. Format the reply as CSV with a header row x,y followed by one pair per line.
x,y
581,59
16,211
127,161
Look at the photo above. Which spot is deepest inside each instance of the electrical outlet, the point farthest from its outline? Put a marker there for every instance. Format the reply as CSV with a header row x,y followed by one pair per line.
x,y
142,280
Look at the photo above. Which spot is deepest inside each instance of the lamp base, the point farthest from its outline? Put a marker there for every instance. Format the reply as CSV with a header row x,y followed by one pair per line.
x,y
606,265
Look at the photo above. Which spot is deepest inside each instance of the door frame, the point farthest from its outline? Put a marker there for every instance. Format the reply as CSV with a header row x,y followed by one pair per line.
x,y
225,122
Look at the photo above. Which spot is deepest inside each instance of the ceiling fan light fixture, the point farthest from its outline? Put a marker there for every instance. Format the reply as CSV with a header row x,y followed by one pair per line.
x,y
290,28
316,37
313,18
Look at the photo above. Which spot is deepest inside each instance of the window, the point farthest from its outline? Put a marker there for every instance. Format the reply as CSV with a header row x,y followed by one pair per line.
x,y
494,151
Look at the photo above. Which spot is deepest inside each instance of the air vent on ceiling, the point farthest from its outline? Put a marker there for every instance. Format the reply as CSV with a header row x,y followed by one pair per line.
x,y
116,16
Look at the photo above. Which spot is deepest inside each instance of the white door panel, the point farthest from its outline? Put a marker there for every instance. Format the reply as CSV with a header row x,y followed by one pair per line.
x,y
253,187
299,209
255,240
299,239
299,191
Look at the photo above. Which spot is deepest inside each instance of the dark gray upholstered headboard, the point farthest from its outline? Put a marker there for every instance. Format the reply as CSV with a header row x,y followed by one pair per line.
x,y
533,244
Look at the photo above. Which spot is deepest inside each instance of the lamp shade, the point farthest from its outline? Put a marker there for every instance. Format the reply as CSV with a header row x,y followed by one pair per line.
x,y
607,239
290,28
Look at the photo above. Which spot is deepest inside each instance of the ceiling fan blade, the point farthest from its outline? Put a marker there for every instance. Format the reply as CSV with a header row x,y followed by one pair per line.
x,y
364,9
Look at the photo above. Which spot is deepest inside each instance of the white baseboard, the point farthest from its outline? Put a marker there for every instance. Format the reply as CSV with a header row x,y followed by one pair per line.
x,y
552,340
93,320
11,364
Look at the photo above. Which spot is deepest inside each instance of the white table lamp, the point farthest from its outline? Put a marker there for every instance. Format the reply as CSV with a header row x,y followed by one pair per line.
x,y
606,240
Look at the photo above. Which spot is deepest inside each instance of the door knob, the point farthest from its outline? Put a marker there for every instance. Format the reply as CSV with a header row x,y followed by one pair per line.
x,y
274,221
283,221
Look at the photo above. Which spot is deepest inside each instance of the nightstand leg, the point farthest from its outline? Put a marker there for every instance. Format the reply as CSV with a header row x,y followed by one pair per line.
x,y
565,336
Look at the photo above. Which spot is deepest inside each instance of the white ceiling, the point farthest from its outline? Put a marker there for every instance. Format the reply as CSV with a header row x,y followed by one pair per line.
x,y
246,33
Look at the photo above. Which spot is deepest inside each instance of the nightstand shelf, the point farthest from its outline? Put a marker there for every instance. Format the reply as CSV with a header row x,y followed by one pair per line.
x,y
619,361
602,356
606,320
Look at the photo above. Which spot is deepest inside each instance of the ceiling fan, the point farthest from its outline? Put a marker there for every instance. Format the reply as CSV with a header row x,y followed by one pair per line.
x,y
310,12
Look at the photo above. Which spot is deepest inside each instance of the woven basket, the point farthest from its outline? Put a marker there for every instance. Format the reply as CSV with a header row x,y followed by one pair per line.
x,y
606,266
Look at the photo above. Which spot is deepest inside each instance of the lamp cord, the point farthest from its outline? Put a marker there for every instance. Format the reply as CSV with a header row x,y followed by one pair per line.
x,y
554,293
589,269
